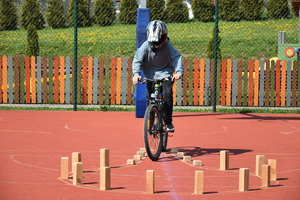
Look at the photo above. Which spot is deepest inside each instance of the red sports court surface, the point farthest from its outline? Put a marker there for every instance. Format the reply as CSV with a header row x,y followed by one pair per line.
x,y
33,142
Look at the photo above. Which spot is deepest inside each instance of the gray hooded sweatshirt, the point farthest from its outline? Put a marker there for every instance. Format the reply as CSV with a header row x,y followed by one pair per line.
x,y
157,65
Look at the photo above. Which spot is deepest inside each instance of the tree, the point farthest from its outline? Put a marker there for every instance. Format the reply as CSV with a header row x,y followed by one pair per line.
x,y
104,13
177,12
229,10
211,46
252,10
157,8
55,15
128,9
31,14
278,9
83,13
203,10
8,15
32,48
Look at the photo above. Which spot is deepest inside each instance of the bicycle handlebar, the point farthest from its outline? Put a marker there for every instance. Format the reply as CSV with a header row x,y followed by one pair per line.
x,y
145,80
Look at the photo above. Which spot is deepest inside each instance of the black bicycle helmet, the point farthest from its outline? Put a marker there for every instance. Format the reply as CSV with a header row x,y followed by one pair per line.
x,y
157,32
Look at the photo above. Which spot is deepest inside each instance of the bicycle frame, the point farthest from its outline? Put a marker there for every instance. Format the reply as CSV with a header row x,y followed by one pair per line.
x,y
157,98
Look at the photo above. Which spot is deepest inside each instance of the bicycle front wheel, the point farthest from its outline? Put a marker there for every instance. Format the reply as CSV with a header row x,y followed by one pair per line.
x,y
152,135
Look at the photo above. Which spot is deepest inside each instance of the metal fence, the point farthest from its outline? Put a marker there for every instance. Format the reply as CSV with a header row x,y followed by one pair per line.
x,y
245,33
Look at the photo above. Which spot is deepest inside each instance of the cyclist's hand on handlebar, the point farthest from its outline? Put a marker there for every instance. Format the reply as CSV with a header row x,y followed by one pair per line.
x,y
136,79
176,77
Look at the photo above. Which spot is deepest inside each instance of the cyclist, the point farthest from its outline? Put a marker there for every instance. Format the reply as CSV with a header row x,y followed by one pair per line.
x,y
159,59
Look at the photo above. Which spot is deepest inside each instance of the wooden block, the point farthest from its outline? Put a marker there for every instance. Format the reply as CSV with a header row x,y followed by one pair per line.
x,y
143,150
273,165
130,162
174,150
265,175
180,154
137,157
64,168
260,160
224,160
105,178
76,157
244,180
141,153
104,158
198,187
78,173
150,182
187,158
197,162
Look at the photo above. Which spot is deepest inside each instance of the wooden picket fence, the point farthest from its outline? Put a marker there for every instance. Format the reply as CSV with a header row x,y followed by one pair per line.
x,y
44,80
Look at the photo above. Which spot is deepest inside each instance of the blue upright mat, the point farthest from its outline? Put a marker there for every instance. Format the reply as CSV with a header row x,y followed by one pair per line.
x,y
143,19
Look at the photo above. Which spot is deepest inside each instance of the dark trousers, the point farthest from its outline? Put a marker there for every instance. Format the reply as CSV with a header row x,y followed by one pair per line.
x,y
168,99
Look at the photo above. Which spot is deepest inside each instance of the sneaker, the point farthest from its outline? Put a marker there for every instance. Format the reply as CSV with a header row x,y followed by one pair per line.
x,y
170,127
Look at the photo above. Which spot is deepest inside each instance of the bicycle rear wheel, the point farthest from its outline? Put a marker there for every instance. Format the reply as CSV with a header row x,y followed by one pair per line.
x,y
152,135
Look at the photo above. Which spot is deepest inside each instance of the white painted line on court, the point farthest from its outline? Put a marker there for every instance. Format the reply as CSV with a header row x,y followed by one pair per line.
x,y
293,170
71,129
31,183
11,157
20,131
293,127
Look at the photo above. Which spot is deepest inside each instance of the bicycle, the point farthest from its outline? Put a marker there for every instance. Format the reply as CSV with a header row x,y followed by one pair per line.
x,y
155,133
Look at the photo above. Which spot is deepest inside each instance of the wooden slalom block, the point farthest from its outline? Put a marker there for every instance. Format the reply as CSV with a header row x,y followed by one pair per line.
x,y
76,157
130,162
64,167
265,175
187,158
224,160
78,173
150,182
244,180
180,154
197,162
198,187
137,157
104,158
143,150
105,178
273,166
174,150
260,161
141,153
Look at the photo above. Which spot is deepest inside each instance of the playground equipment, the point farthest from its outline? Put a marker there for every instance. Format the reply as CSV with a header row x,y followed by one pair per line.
x,y
287,51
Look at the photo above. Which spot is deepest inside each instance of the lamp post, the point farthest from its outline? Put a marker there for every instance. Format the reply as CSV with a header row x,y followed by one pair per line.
x,y
216,2
75,57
